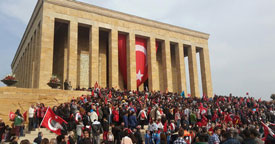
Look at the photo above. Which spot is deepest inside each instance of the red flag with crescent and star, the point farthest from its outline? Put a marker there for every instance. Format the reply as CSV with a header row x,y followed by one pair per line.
x,y
12,116
53,122
141,58
141,61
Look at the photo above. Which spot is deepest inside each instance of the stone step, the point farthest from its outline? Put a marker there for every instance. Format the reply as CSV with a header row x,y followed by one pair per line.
x,y
33,134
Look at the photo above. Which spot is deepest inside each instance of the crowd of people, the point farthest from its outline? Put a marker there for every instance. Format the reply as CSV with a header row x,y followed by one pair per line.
x,y
135,117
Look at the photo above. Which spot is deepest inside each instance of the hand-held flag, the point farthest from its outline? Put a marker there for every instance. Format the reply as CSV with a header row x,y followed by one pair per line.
x,y
53,122
12,116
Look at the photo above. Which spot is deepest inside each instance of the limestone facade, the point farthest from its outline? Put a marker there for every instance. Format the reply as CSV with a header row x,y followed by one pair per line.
x,y
12,98
79,42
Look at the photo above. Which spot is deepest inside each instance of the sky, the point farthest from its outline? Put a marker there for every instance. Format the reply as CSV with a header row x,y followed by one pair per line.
x,y
241,43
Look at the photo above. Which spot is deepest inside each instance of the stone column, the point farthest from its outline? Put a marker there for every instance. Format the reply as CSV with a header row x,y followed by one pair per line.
x,y
30,61
193,72
18,75
46,51
20,72
94,54
29,64
113,59
72,53
33,59
167,67
25,69
37,57
65,59
153,74
181,76
26,66
205,72
131,62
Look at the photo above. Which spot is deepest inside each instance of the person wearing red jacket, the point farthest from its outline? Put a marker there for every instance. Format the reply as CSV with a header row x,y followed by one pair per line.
x,y
115,113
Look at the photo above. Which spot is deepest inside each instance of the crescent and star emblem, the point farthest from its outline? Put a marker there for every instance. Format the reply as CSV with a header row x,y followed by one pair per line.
x,y
54,125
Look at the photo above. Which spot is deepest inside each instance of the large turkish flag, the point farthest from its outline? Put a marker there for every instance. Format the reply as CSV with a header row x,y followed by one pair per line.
x,y
141,61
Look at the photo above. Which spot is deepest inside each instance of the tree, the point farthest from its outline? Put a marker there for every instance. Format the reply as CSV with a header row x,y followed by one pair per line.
x,y
272,96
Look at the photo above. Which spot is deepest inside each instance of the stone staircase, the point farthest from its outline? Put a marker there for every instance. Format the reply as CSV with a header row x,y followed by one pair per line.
x,y
49,135
33,134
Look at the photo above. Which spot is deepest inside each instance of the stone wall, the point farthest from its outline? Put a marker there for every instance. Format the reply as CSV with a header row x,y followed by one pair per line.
x,y
12,98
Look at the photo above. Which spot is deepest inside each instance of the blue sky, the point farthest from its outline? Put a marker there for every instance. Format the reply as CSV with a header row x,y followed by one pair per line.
x,y
242,36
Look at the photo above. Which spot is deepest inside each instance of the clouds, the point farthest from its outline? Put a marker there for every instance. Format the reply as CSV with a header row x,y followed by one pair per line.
x,y
18,9
242,35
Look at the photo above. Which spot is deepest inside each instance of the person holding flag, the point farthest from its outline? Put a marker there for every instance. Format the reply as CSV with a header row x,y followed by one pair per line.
x,y
18,123
268,132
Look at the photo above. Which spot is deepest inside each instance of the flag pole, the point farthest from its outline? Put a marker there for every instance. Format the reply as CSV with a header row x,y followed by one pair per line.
x,y
44,116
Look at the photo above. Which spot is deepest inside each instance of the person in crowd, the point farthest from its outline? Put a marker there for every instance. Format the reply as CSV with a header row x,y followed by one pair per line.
x,y
93,116
105,127
163,138
214,139
238,118
14,140
126,139
53,141
138,135
115,114
71,138
60,139
132,119
6,135
96,131
142,117
156,137
2,128
228,138
254,134
79,132
110,138
38,139
18,123
147,137
180,139
125,119
25,141
31,113
45,141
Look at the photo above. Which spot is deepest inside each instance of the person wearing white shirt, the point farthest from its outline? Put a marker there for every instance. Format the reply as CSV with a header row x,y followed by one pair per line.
x,y
93,116
31,120
142,117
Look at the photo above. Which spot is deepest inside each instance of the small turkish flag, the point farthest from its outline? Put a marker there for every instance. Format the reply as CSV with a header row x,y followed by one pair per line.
x,y
267,130
202,109
12,116
53,122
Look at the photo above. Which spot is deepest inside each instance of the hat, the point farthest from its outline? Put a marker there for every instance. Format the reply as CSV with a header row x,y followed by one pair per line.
x,y
138,127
